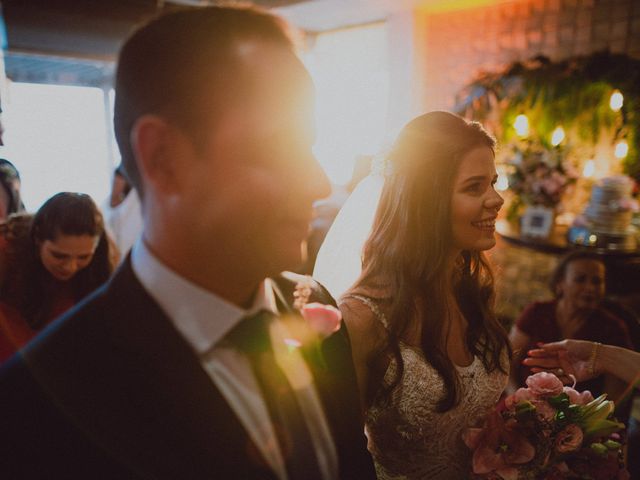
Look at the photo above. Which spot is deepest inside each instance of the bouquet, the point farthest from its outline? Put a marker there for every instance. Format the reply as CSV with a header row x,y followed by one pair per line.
x,y
548,431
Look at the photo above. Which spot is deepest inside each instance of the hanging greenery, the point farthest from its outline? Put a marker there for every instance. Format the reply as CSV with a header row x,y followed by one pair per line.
x,y
573,93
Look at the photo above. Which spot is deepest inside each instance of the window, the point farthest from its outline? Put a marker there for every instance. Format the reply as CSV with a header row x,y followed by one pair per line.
x,y
59,139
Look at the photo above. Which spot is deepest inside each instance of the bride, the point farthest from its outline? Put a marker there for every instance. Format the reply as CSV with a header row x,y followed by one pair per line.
x,y
430,355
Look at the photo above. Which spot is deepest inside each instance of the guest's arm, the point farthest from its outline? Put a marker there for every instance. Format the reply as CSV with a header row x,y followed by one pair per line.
x,y
586,360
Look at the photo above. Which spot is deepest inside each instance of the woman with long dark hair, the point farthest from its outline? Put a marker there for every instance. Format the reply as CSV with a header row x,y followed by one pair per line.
x,y
430,354
49,261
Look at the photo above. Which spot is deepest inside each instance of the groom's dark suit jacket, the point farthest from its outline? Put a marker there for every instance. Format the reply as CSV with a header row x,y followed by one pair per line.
x,y
112,391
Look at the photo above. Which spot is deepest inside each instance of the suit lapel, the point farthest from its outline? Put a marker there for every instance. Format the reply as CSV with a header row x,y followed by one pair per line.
x,y
332,369
144,396
182,400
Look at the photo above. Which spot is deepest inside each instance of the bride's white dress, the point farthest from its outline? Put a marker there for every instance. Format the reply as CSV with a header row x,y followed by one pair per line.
x,y
408,438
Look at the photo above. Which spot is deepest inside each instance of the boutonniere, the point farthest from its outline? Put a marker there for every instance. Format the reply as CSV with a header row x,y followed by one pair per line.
x,y
322,319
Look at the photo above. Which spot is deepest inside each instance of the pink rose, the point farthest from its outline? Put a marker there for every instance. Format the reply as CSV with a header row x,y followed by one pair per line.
x,y
569,439
544,384
577,397
520,395
323,319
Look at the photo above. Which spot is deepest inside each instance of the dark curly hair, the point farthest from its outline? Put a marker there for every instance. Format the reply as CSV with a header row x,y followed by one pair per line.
x,y
23,285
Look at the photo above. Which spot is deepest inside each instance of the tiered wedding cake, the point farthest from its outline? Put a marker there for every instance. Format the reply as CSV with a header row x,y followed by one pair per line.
x,y
606,222
609,209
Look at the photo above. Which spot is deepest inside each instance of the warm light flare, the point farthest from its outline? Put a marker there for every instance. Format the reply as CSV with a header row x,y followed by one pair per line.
x,y
557,136
521,125
616,100
350,70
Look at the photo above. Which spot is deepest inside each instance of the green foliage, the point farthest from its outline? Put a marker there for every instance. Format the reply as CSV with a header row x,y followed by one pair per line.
x,y
573,93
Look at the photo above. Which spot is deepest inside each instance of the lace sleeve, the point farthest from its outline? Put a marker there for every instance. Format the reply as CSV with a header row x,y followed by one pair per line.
x,y
375,309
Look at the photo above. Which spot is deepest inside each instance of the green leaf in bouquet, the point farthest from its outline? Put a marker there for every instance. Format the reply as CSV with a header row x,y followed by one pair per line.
x,y
601,411
560,417
612,444
574,412
587,409
599,448
559,402
524,409
602,428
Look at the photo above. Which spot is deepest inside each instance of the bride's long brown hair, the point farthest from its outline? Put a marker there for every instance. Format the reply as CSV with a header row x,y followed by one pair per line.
x,y
408,251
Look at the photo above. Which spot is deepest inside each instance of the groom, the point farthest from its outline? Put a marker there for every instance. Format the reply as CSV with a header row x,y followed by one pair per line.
x,y
157,375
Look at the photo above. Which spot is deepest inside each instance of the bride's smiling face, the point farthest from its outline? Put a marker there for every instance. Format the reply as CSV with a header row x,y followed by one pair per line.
x,y
475,202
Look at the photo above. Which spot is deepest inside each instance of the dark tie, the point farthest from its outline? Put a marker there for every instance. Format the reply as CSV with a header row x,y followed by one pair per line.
x,y
251,336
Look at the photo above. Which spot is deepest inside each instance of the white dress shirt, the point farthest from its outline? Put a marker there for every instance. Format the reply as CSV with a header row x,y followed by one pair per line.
x,y
204,319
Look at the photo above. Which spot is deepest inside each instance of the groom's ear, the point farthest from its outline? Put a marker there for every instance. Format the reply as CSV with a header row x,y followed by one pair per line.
x,y
156,145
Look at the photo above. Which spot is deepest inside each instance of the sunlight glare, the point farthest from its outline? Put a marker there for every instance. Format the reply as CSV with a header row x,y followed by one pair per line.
x,y
57,137
349,69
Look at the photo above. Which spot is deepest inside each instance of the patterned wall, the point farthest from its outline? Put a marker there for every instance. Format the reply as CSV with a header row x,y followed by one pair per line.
x,y
457,45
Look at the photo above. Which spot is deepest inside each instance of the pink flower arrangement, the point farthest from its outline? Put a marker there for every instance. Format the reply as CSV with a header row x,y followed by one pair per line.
x,y
539,175
548,431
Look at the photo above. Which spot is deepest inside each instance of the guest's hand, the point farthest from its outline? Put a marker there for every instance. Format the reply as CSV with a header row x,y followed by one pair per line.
x,y
567,358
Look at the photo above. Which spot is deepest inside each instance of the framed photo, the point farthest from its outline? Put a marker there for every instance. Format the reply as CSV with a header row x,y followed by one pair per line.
x,y
536,222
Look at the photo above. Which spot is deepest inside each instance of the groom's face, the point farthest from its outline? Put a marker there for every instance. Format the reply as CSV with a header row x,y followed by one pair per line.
x,y
255,179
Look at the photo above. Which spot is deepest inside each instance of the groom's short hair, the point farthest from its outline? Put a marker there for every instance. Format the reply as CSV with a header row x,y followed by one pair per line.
x,y
185,66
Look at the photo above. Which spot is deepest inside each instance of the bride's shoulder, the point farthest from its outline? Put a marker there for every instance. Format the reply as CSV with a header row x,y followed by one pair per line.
x,y
364,309
365,324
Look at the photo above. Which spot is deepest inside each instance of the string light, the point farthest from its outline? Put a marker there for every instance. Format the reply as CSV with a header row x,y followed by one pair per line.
x,y
521,125
589,169
502,183
557,136
616,100
622,149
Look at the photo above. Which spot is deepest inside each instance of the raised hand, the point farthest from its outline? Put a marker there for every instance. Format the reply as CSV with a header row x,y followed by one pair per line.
x,y
568,357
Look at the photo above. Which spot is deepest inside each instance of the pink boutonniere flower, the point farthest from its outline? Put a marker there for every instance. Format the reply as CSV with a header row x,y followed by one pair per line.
x,y
323,319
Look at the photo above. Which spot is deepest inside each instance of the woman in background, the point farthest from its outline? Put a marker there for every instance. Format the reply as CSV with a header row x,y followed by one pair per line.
x,y
576,312
430,354
49,262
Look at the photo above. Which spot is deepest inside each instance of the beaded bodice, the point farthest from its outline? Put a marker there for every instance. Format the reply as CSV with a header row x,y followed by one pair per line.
x,y
408,437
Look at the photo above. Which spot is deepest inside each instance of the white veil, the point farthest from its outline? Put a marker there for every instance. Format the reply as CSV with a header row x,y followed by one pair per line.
x,y
338,264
